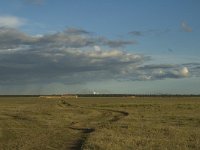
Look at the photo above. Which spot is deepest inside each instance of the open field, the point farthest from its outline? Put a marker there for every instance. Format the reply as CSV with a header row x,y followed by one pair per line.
x,y
33,123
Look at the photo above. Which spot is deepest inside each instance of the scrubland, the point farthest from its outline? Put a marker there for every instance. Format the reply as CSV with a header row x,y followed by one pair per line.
x,y
121,123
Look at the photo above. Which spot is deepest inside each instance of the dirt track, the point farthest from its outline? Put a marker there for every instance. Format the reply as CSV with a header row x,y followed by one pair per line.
x,y
110,115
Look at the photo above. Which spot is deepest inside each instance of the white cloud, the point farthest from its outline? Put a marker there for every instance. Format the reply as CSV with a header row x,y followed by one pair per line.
x,y
97,48
185,27
11,21
163,71
184,71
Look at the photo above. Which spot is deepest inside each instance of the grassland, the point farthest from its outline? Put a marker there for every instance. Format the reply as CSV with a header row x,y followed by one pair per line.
x,y
32,123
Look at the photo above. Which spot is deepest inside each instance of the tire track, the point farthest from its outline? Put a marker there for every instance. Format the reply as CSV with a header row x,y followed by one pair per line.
x,y
78,144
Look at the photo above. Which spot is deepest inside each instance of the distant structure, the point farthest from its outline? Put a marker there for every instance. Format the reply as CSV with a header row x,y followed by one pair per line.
x,y
59,96
95,93
69,96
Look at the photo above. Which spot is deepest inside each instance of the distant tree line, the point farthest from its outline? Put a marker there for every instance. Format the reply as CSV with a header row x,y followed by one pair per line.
x,y
137,95
112,95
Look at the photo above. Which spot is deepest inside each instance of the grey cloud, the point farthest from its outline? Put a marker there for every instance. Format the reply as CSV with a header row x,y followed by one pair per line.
x,y
78,38
159,66
72,57
68,66
67,40
75,31
70,38
12,38
185,27
136,33
170,50
152,32
118,43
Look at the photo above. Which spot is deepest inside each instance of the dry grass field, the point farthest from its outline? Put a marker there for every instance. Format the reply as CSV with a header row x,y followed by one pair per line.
x,y
157,123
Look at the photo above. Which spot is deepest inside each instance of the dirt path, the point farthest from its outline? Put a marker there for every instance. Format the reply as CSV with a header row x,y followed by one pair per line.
x,y
112,115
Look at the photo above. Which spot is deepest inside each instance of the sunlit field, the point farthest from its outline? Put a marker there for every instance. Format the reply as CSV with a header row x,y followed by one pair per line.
x,y
40,123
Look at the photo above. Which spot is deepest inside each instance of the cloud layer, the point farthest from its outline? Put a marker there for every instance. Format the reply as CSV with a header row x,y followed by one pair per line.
x,y
75,56
11,21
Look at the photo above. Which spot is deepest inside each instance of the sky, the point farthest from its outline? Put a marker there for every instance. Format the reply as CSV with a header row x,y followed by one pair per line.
x,y
106,46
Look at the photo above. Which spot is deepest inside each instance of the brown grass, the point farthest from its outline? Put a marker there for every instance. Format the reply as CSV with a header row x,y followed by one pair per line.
x,y
99,123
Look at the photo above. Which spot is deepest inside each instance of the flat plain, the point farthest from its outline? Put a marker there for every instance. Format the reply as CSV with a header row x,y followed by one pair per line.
x,y
104,123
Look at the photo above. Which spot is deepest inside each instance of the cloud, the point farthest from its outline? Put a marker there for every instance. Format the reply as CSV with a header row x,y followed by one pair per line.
x,y
164,71
185,27
78,38
12,38
194,69
136,33
118,43
11,21
66,66
74,57
76,31
170,50
184,71
154,32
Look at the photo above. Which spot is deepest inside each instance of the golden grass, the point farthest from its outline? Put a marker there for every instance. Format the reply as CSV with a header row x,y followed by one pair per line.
x,y
99,123
153,123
